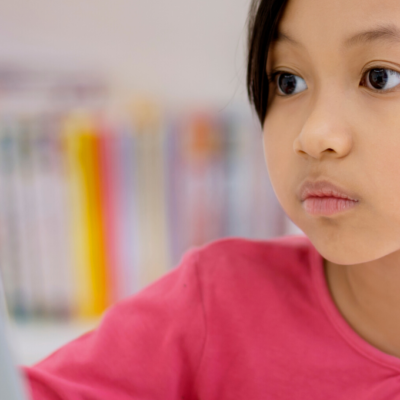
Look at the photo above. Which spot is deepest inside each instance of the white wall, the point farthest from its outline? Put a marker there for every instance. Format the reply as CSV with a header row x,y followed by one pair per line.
x,y
181,50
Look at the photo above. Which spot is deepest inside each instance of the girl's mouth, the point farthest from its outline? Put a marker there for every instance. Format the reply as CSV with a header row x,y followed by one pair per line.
x,y
325,198
327,205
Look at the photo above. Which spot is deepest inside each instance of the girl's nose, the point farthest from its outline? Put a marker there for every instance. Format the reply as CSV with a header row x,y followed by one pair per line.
x,y
326,132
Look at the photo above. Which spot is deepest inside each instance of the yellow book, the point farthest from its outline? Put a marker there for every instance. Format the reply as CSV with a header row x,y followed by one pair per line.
x,y
87,226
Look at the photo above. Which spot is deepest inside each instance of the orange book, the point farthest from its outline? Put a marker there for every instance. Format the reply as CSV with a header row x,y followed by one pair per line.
x,y
109,206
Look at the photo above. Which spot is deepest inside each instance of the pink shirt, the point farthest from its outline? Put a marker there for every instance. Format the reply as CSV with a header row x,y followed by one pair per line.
x,y
238,320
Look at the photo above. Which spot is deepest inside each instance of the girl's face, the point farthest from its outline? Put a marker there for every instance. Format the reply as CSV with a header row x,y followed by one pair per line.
x,y
330,119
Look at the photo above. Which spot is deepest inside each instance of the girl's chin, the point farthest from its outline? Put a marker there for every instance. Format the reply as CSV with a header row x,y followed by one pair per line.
x,y
341,251
348,253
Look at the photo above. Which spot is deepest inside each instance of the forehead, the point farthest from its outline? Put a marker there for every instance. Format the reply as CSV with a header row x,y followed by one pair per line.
x,y
333,22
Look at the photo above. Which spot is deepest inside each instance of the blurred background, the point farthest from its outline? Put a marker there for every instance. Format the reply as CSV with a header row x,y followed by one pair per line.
x,y
126,138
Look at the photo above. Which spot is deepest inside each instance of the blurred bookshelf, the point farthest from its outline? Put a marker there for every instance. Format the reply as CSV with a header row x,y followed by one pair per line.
x,y
97,204
34,340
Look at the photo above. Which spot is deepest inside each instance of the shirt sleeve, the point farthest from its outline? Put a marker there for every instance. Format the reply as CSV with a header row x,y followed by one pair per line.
x,y
147,346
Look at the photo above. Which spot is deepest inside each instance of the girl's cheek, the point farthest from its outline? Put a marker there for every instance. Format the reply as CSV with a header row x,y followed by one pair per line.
x,y
278,161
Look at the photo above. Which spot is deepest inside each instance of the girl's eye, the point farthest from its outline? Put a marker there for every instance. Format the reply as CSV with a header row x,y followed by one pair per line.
x,y
378,79
382,79
289,84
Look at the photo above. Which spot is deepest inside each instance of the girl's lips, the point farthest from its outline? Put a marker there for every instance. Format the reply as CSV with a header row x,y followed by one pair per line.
x,y
325,198
327,205
325,189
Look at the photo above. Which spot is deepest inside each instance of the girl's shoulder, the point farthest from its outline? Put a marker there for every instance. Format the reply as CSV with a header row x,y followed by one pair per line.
x,y
235,254
230,268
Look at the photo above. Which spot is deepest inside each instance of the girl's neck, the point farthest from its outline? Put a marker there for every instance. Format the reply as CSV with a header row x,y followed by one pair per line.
x,y
368,297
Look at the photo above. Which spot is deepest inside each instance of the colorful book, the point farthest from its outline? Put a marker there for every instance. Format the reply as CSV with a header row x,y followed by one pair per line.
x,y
83,146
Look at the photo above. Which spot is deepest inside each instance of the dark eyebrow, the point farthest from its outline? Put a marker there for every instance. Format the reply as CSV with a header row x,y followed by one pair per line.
x,y
381,33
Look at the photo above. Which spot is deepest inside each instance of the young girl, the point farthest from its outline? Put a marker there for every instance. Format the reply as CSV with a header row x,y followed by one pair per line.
x,y
299,317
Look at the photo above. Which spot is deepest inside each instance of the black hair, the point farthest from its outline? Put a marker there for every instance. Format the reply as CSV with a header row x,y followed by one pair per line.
x,y
263,19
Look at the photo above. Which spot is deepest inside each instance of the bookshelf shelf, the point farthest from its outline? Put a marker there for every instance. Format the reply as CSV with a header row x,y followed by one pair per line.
x,y
32,341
